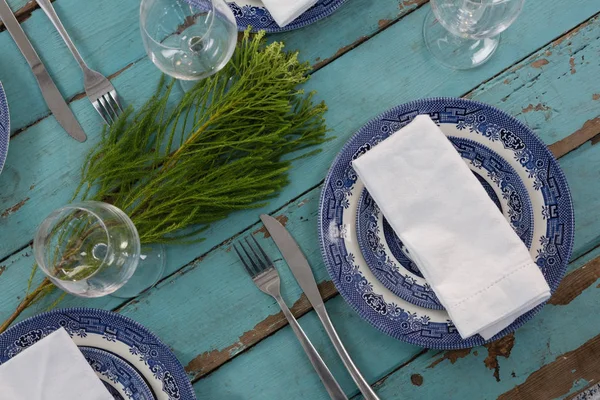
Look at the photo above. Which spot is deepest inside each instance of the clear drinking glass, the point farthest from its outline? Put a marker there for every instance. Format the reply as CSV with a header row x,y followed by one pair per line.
x,y
463,34
188,39
92,249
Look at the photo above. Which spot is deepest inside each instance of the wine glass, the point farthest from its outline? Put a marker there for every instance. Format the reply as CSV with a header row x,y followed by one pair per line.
x,y
463,34
188,39
92,249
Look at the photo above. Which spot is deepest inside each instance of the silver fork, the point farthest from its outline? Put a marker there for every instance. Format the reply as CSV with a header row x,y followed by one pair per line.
x,y
265,276
99,90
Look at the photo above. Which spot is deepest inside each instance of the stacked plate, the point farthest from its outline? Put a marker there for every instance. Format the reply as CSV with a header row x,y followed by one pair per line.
x,y
369,264
254,13
130,360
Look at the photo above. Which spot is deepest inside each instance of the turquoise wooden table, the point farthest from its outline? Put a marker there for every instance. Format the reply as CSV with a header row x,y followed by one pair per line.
x,y
368,57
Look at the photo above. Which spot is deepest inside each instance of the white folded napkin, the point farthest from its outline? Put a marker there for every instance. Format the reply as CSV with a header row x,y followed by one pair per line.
x,y
51,369
285,11
480,270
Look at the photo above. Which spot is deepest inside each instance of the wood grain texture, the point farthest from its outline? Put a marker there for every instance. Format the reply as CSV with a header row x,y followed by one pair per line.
x,y
498,367
22,10
557,378
224,313
151,309
107,34
351,105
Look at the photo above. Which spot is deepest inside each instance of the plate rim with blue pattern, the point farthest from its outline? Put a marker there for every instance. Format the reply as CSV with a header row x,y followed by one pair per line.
x,y
112,332
259,18
336,228
134,386
380,246
4,127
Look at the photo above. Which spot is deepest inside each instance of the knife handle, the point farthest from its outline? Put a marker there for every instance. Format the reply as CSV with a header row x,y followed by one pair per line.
x,y
331,385
362,384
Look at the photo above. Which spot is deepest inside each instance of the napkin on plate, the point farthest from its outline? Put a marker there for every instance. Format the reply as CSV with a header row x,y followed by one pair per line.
x,y
51,369
478,267
285,11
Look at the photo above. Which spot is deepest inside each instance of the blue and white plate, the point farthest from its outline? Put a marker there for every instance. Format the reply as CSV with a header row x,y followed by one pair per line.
x,y
254,13
4,127
111,332
118,376
388,258
513,164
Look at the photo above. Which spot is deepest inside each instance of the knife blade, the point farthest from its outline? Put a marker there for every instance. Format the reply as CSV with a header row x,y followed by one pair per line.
x,y
56,103
303,273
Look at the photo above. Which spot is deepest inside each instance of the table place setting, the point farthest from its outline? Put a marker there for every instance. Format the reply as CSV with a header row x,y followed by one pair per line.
x,y
443,222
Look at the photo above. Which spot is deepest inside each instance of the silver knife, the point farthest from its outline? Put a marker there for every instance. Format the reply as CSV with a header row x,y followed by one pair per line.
x,y
304,275
56,103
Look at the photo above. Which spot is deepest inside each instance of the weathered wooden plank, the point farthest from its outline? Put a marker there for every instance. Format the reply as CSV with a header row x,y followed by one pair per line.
x,y
21,8
349,110
181,254
559,377
104,40
320,47
159,320
109,41
499,367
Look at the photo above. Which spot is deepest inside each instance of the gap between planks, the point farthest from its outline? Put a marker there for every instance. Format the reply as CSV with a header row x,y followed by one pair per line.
x,y
216,358
23,13
406,6
205,363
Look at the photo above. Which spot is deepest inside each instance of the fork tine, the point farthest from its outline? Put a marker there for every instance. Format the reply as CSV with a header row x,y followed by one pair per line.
x,y
261,262
256,268
266,257
115,98
246,266
113,113
98,108
106,113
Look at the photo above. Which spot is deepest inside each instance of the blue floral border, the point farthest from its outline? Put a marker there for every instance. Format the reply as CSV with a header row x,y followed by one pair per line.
x,y
481,119
4,127
112,327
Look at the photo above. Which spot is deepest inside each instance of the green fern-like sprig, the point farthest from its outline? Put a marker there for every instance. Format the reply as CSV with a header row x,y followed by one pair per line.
x,y
175,167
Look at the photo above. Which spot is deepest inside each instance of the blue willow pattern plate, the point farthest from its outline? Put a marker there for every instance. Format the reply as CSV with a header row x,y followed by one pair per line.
x,y
111,332
549,197
4,127
118,376
253,13
387,257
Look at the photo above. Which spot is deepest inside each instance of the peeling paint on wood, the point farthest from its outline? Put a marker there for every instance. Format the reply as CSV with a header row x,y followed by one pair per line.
x,y
596,96
581,363
2,269
575,283
211,360
283,219
23,13
588,131
416,379
383,23
539,63
538,107
340,52
452,355
572,64
571,33
499,348
14,208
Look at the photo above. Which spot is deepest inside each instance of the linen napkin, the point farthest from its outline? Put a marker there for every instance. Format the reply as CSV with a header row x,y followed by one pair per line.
x,y
51,369
285,11
478,267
